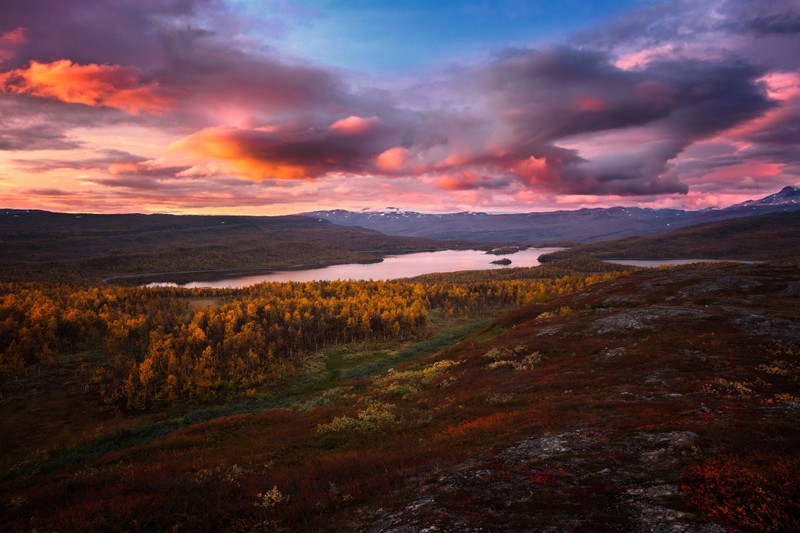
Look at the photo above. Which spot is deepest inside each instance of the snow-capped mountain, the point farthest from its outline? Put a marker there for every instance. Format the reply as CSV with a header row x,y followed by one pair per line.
x,y
581,225
787,196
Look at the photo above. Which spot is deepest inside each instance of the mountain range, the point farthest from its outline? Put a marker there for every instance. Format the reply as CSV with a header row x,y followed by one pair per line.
x,y
581,225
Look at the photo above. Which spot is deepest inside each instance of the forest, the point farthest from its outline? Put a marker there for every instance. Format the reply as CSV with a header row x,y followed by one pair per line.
x,y
155,346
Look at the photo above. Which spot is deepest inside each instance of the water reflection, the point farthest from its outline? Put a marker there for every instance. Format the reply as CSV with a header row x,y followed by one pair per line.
x,y
392,267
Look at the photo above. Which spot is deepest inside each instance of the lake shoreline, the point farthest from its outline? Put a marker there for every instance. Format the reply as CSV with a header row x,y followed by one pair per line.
x,y
182,277
390,266
655,263
189,276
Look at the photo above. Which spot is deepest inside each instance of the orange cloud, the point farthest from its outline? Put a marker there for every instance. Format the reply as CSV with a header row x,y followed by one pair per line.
x,y
10,41
454,182
94,85
393,158
534,169
230,154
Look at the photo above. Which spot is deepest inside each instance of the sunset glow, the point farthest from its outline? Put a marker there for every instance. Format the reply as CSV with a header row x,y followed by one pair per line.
x,y
277,107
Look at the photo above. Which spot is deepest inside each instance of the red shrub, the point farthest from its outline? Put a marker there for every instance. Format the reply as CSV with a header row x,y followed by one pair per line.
x,y
756,493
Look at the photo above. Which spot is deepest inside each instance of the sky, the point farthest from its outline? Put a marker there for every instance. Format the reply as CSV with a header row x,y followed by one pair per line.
x,y
271,107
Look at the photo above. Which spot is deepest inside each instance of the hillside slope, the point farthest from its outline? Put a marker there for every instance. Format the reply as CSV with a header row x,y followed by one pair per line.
x,y
767,237
44,245
665,401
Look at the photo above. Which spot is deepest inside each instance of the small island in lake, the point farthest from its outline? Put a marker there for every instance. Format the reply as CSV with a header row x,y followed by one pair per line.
x,y
503,261
507,250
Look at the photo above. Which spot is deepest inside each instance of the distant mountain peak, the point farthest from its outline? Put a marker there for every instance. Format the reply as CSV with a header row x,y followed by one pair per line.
x,y
789,195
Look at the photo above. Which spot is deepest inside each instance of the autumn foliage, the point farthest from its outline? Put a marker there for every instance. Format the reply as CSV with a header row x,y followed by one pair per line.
x,y
157,345
756,493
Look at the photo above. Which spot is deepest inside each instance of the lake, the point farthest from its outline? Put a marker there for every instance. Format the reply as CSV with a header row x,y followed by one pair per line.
x,y
392,267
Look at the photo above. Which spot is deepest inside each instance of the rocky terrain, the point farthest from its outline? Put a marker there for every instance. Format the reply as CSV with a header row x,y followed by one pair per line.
x,y
672,406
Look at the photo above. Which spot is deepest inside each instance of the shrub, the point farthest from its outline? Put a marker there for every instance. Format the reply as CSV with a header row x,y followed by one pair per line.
x,y
271,498
376,416
326,398
757,493
502,358
729,389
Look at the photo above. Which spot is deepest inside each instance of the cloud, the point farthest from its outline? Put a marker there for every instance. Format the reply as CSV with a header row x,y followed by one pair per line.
x,y
47,192
10,41
623,110
467,180
533,112
105,159
92,85
538,112
786,23
289,151
34,137
354,125
392,159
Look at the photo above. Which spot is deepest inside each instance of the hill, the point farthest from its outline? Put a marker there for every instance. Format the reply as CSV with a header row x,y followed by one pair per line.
x,y
45,245
582,225
766,237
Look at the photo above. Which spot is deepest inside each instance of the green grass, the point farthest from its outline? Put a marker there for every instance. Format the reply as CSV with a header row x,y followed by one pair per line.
x,y
338,369
416,350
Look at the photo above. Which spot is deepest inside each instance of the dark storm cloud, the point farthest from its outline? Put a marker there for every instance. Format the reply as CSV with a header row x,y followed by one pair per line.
x,y
781,24
783,130
642,172
551,94
101,31
543,98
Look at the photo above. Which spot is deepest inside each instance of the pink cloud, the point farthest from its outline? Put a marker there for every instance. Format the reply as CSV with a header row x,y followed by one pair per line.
x,y
640,58
782,85
456,182
654,92
539,171
354,125
393,158
10,41
591,103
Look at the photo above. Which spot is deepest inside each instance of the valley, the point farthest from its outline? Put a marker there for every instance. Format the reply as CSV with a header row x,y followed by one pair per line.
x,y
313,266
658,395
577,395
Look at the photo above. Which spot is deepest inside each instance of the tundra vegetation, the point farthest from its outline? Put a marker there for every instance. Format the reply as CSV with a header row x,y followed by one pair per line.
x,y
575,395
